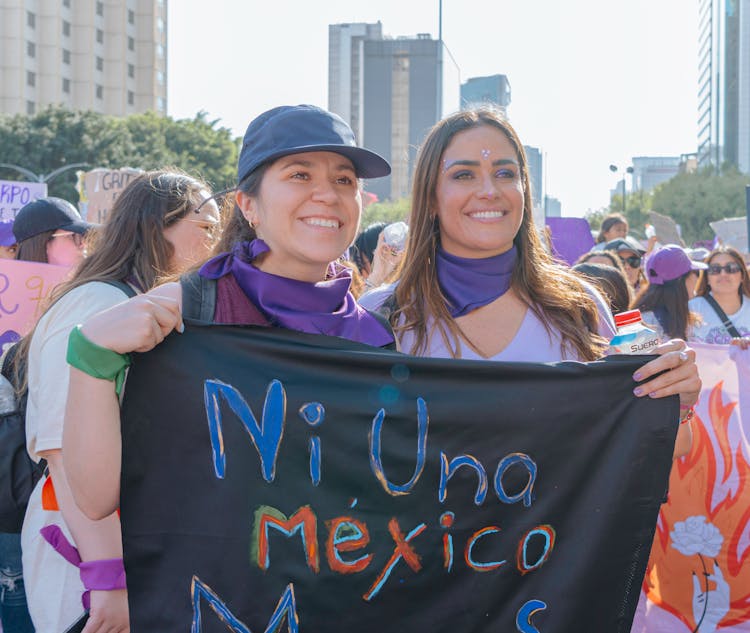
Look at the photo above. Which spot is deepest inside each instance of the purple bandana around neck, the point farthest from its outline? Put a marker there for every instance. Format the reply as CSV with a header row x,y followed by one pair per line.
x,y
325,307
469,284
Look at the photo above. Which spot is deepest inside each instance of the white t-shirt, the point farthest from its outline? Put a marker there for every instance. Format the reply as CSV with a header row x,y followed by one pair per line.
x,y
711,330
53,586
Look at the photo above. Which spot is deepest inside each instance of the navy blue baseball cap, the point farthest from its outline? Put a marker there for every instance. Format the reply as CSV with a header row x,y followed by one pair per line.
x,y
48,214
304,128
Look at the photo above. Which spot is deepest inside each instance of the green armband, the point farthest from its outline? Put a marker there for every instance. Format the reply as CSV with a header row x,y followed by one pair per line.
x,y
96,361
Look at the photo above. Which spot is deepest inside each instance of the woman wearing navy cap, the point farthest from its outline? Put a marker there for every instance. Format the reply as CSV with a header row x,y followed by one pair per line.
x,y
298,204
50,230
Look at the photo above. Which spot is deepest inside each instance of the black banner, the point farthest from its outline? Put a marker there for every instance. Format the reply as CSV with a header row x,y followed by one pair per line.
x,y
281,481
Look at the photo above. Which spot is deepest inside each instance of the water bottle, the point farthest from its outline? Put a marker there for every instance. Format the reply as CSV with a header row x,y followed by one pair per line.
x,y
394,235
632,337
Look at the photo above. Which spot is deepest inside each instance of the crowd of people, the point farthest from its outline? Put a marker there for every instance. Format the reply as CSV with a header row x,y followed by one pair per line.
x,y
474,280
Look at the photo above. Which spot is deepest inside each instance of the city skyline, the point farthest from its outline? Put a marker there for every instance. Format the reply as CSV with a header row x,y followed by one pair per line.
x,y
592,86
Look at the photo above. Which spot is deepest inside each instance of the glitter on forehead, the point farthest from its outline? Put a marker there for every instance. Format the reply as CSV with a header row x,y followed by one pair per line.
x,y
447,164
486,153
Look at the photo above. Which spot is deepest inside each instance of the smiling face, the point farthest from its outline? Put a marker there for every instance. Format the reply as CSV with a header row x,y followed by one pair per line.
x,y
480,197
307,210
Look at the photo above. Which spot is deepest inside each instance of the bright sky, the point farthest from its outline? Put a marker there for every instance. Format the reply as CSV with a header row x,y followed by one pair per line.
x,y
593,82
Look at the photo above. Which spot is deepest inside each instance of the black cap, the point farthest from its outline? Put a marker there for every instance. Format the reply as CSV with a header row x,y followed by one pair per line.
x,y
48,214
304,128
626,243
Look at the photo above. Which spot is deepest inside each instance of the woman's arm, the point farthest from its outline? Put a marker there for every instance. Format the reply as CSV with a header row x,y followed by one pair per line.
x,y
91,437
95,540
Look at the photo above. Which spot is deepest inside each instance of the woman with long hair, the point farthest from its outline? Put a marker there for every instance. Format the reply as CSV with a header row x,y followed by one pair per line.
x,y
160,223
297,210
723,299
672,276
477,282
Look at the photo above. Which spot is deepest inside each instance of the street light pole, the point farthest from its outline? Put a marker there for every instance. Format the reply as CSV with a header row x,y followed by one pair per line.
x,y
42,177
628,170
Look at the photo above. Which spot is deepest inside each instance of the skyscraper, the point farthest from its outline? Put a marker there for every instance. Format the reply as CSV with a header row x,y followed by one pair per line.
x,y
494,89
724,83
109,56
391,91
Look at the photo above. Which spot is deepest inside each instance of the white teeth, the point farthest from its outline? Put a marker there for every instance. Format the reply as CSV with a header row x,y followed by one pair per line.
x,y
488,214
332,224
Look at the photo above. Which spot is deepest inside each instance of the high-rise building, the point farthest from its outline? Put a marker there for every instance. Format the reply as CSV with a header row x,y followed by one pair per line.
x,y
346,70
494,89
535,163
724,83
108,56
649,171
391,91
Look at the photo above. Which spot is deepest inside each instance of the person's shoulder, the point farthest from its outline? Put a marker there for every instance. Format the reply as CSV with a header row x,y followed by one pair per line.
x,y
376,298
698,304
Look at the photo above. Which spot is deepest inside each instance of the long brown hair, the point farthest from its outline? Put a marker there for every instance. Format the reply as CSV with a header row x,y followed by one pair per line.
x,y
702,288
554,294
34,249
669,303
131,244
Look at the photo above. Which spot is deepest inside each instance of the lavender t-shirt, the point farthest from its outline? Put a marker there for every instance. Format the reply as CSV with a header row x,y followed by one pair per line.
x,y
532,343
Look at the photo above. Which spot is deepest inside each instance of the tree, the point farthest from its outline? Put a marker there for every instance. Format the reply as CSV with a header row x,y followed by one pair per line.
x,y
391,211
56,137
693,200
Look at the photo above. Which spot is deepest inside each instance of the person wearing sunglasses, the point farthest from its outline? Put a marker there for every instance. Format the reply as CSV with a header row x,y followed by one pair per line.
x,y
50,231
723,300
631,254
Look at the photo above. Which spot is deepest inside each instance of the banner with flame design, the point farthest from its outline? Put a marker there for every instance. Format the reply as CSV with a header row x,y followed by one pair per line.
x,y
698,576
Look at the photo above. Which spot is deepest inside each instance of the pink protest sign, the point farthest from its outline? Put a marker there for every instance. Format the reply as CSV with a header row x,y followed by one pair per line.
x,y
24,288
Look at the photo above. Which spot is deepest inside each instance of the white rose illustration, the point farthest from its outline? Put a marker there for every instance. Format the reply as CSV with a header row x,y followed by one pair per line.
x,y
695,536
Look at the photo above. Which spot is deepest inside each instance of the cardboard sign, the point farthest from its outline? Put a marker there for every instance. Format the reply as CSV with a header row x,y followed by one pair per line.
x,y
100,189
732,232
665,229
698,576
16,194
24,288
273,481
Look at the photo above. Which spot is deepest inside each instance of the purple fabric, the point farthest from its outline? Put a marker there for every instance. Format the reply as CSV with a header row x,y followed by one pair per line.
x,y
55,537
326,307
570,238
469,284
106,574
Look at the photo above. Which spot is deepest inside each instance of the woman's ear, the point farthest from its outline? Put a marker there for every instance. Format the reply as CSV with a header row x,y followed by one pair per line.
x,y
247,205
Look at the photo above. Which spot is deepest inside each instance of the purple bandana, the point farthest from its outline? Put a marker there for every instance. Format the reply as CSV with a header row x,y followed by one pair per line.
x,y
325,307
469,284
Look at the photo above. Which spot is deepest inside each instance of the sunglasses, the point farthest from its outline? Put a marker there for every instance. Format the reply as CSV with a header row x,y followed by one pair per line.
x,y
634,261
729,269
78,239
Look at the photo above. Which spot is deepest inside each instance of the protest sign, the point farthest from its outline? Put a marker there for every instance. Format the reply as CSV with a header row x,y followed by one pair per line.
x,y
732,232
570,238
100,189
665,228
698,576
276,479
24,288
16,194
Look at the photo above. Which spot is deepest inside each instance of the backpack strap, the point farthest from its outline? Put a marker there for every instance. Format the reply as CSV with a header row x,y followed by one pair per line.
x,y
198,297
125,287
725,320
386,326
